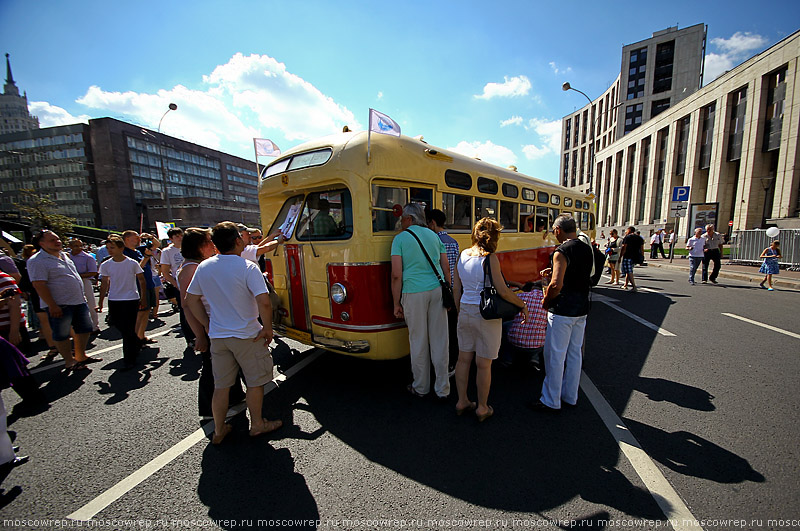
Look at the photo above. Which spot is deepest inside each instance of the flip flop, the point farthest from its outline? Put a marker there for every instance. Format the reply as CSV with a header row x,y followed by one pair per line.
x,y
90,359
216,440
471,407
50,355
486,415
269,426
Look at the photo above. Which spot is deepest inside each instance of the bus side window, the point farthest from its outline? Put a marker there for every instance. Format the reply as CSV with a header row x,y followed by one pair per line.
x,y
458,210
326,216
527,218
508,216
384,199
554,213
542,224
485,208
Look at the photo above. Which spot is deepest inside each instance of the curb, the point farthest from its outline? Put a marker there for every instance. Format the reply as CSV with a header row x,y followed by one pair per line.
x,y
745,277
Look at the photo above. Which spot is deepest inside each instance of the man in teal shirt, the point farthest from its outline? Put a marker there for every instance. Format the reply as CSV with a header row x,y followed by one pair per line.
x,y
418,298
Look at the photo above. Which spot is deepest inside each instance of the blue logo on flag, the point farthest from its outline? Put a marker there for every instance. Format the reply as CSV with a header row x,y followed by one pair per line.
x,y
384,126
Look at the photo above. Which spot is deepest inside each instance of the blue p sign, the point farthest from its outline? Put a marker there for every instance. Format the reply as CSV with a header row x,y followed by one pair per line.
x,y
680,193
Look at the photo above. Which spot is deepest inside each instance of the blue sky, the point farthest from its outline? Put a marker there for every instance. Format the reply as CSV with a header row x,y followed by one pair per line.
x,y
481,77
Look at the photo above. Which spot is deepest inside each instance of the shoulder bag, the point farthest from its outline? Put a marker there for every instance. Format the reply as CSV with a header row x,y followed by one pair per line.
x,y
493,306
448,301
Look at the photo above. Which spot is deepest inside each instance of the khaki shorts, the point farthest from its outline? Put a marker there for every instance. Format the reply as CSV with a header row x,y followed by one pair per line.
x,y
228,354
478,335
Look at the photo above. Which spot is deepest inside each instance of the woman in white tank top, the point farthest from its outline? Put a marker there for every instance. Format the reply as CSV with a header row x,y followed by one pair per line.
x,y
477,337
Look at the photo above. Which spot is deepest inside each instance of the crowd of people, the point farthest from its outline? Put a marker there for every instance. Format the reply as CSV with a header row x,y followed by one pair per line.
x,y
550,319
215,278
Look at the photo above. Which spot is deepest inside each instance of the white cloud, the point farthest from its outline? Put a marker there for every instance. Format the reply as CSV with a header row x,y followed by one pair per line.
x,y
380,95
558,71
510,87
514,120
242,99
486,151
51,115
549,133
734,50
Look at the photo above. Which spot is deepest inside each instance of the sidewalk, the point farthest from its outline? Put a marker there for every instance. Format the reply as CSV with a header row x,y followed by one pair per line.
x,y
785,280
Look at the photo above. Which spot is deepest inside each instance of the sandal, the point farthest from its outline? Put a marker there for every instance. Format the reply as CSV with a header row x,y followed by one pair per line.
x,y
50,355
90,359
269,425
471,407
486,415
216,440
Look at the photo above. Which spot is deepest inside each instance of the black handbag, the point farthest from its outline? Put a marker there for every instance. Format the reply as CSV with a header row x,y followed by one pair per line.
x,y
448,301
493,306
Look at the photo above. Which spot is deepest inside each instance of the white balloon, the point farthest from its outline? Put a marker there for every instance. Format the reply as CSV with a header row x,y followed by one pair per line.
x,y
773,232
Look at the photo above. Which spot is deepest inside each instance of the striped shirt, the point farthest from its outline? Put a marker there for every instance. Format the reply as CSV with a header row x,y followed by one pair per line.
x,y
529,334
451,246
6,283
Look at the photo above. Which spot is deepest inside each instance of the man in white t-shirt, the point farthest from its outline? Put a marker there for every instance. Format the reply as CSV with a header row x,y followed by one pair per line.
x,y
171,258
251,250
695,245
236,295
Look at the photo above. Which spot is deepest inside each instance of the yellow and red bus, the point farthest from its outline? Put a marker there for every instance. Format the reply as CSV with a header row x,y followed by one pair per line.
x,y
340,212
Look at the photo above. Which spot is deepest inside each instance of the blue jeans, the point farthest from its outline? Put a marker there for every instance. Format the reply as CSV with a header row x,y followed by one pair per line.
x,y
694,263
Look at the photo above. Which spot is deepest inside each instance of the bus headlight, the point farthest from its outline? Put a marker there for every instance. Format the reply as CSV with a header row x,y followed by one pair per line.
x,y
338,293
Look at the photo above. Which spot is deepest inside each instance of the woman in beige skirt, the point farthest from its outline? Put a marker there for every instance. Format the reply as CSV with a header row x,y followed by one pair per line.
x,y
477,337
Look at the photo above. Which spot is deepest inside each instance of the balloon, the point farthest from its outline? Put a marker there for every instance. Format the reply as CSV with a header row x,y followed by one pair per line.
x,y
773,232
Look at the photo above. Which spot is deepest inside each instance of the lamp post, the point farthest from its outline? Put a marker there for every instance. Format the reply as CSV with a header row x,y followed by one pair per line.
x,y
172,107
565,87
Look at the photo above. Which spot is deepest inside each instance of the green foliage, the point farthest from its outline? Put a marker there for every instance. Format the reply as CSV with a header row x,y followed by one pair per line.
x,y
39,211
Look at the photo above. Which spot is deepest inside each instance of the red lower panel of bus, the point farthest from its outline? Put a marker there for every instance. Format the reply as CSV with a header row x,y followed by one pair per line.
x,y
369,295
296,286
524,266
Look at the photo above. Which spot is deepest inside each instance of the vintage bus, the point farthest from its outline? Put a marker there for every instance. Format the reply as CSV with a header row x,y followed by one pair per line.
x,y
340,212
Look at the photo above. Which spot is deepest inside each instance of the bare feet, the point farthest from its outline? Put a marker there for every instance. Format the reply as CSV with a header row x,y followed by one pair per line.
x,y
268,426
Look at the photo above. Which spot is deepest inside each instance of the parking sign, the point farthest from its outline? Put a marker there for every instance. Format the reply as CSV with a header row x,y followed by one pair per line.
x,y
680,193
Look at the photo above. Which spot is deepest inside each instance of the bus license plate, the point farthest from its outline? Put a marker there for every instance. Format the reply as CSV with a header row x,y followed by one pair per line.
x,y
298,335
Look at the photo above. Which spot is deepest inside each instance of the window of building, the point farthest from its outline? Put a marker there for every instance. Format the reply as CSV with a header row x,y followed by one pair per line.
x,y
662,75
707,135
683,142
458,179
661,171
658,107
565,177
633,117
776,94
738,101
567,127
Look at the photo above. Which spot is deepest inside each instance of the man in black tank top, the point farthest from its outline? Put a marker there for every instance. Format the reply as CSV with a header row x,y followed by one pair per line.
x,y
566,299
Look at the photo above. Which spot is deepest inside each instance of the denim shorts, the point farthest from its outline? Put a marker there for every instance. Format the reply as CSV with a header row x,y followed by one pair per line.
x,y
75,316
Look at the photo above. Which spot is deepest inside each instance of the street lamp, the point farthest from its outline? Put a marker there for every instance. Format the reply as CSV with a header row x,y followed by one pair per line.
x,y
172,107
565,87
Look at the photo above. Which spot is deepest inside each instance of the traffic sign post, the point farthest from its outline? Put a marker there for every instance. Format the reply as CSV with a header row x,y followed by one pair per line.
x,y
678,207
680,193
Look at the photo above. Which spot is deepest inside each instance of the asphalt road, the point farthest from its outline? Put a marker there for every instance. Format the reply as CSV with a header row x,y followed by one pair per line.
x,y
708,400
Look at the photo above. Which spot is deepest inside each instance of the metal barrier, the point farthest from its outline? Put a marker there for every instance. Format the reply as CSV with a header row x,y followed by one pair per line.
x,y
747,246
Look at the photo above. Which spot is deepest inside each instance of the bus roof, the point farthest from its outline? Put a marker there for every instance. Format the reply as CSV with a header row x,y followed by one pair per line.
x,y
388,151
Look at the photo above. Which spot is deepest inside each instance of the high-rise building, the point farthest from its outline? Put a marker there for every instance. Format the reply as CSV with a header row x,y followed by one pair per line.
x,y
656,73
14,115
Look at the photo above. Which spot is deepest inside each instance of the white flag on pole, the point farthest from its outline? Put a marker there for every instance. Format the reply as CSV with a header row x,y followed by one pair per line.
x,y
266,148
380,123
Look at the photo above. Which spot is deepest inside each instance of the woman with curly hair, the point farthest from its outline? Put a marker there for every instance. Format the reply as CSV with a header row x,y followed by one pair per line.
x,y
477,337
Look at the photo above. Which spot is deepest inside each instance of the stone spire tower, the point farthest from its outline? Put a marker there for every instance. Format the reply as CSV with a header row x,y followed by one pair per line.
x,y
14,115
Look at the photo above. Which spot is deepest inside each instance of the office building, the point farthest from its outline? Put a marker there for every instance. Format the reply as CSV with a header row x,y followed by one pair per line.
x,y
656,74
734,143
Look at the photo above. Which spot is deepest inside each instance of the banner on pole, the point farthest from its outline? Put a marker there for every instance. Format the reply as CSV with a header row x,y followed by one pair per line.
x,y
266,148
381,123
162,228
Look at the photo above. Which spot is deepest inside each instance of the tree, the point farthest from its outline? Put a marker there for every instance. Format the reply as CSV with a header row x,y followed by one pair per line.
x,y
39,210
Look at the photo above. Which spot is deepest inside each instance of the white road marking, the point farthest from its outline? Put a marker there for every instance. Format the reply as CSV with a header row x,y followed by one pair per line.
x,y
608,301
678,515
763,325
88,511
60,363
